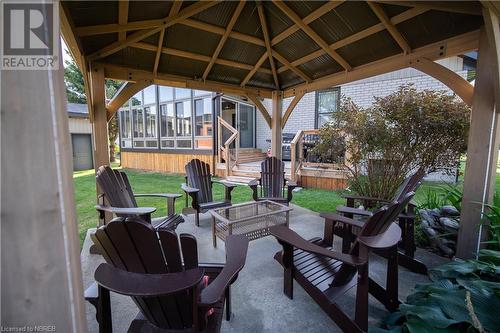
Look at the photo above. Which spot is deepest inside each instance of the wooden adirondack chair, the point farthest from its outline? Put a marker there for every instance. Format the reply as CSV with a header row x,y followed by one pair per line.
x,y
406,220
272,182
199,185
174,293
118,193
326,275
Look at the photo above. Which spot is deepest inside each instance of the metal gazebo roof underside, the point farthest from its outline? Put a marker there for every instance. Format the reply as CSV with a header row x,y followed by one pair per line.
x,y
231,42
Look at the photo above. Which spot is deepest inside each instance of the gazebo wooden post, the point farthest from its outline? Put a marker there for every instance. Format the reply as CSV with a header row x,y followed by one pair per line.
x,y
276,130
482,153
99,124
41,272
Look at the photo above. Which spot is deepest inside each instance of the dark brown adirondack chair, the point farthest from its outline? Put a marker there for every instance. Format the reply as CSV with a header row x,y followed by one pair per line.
x,y
198,186
406,219
118,193
326,275
272,182
160,271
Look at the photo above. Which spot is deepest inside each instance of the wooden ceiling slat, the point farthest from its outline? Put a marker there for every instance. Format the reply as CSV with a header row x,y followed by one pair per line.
x,y
265,32
122,18
404,16
316,14
311,33
224,37
176,6
389,26
196,56
140,35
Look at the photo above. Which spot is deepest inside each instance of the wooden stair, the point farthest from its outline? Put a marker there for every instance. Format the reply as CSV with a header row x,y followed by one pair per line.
x,y
246,155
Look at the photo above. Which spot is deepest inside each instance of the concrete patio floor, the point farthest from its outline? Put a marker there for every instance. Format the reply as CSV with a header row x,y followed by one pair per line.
x,y
259,304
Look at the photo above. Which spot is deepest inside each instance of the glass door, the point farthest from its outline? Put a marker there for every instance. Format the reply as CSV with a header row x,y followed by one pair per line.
x,y
246,125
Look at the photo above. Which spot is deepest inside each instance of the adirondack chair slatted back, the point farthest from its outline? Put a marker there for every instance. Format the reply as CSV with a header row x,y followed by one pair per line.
x,y
198,176
116,187
272,177
378,223
134,246
410,184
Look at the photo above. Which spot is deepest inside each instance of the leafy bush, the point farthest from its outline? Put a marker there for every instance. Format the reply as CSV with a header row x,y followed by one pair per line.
x,y
396,135
492,218
463,297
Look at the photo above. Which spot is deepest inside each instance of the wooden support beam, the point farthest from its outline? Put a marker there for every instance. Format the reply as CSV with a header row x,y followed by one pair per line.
x,y
294,69
290,108
492,28
100,119
265,32
452,80
444,49
276,132
316,14
158,52
389,26
255,100
196,56
482,155
404,16
311,33
126,91
461,7
140,35
41,272
122,73
224,38
74,46
254,69
176,6
122,18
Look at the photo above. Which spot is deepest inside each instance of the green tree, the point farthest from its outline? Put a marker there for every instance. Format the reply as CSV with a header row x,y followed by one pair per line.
x,y
399,133
75,91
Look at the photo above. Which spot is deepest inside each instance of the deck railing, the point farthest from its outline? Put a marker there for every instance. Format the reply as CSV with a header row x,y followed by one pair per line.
x,y
224,150
297,152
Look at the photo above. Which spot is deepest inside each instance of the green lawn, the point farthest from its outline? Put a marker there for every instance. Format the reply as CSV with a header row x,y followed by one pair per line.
x,y
150,182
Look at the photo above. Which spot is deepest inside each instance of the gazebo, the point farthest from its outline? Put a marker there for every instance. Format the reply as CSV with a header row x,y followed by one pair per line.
x,y
268,49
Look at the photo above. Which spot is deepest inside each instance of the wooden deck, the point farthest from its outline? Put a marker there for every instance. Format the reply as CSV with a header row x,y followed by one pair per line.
x,y
309,177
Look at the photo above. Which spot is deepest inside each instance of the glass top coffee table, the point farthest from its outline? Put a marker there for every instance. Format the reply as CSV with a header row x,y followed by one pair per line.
x,y
252,219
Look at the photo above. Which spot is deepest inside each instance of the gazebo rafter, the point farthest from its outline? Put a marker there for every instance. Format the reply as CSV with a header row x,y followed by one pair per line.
x,y
312,34
267,41
176,6
389,26
224,37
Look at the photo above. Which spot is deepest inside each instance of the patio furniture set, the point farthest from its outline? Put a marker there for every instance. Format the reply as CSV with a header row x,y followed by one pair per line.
x,y
147,260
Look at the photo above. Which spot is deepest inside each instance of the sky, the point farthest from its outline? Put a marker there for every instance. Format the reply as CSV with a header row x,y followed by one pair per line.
x,y
66,56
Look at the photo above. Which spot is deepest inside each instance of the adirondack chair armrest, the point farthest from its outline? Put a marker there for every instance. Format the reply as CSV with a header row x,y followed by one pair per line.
x,y
388,238
289,191
236,253
169,196
146,285
229,187
160,195
288,236
352,198
141,211
254,184
333,217
193,193
353,211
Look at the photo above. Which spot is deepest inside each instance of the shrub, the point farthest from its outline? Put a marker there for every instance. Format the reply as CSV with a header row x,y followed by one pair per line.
x,y
462,298
396,135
